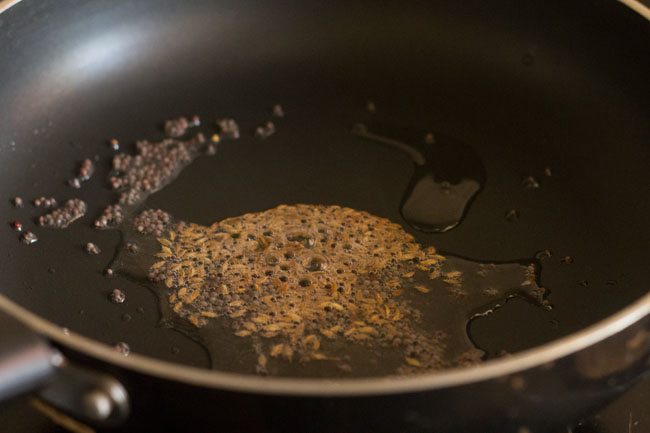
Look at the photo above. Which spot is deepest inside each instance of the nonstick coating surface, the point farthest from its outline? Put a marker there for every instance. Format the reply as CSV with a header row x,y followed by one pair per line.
x,y
526,85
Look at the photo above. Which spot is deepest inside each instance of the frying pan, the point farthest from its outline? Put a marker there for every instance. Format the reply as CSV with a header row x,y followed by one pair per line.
x,y
526,84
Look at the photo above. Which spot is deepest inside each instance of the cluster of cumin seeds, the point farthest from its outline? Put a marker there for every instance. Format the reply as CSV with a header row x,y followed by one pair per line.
x,y
294,276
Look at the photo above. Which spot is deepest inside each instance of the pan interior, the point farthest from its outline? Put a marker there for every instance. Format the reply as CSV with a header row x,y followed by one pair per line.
x,y
516,91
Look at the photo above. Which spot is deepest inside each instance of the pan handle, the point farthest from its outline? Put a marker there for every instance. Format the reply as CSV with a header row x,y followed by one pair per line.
x,y
29,364
27,361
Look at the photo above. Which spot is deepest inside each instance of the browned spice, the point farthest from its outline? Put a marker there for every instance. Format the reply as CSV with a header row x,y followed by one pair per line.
x,y
62,217
152,222
92,249
295,275
154,165
45,202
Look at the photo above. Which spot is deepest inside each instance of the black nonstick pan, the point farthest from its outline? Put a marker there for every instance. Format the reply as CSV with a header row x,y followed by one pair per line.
x,y
555,90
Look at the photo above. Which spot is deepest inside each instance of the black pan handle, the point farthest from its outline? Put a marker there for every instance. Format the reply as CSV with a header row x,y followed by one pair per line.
x,y
30,364
27,361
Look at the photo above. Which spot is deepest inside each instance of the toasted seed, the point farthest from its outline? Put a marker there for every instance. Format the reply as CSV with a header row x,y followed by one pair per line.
x,y
360,337
238,313
224,270
196,320
333,305
261,361
122,348
413,362
273,327
262,318
369,330
269,334
28,238
277,349
312,342
328,333
117,296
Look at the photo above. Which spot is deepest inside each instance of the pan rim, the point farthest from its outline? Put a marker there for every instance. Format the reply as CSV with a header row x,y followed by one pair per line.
x,y
519,362
535,357
635,5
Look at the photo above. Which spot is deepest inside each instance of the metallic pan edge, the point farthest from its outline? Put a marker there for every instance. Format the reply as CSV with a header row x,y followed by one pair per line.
x,y
6,4
340,387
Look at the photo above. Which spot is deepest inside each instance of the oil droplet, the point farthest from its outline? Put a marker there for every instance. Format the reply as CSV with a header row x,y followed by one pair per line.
x,y
123,348
114,144
548,172
371,107
583,283
512,215
447,175
17,226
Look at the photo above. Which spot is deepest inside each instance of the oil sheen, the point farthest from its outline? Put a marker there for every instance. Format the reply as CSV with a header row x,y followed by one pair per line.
x,y
447,174
312,290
